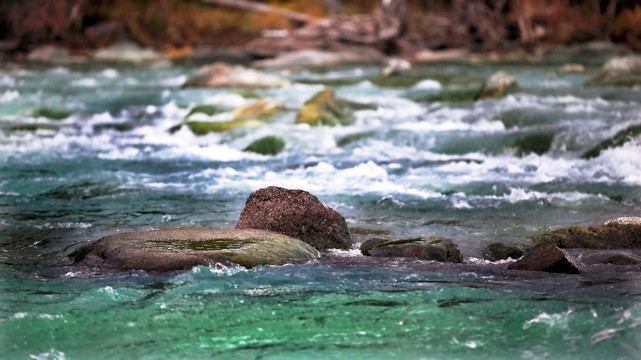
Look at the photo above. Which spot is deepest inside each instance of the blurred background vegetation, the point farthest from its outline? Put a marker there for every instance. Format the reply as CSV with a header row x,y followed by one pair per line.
x,y
177,25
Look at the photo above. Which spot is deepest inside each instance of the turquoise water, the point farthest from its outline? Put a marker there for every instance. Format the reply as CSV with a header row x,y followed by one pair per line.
x,y
415,165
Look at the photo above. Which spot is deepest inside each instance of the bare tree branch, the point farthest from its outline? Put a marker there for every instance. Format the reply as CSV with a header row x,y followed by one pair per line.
x,y
257,7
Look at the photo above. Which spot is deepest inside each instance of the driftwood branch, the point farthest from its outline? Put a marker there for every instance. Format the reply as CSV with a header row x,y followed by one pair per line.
x,y
258,7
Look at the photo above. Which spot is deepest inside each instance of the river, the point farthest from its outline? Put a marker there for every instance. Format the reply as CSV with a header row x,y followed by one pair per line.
x,y
421,161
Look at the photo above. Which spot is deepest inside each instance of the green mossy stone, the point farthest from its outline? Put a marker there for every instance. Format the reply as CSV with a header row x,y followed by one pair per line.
x,y
533,143
208,110
206,127
52,114
617,140
268,145
352,138
182,249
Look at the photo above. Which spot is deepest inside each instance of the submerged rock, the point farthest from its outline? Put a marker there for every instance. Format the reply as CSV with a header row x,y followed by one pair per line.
x,y
622,233
619,71
130,52
623,260
326,109
533,143
500,251
430,248
220,75
295,213
268,145
182,249
52,114
617,140
497,85
206,127
571,68
548,258
313,57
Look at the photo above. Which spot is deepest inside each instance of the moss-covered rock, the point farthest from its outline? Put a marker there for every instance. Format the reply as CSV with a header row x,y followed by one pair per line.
x,y
326,109
533,143
619,71
52,114
206,127
268,145
429,248
612,235
500,251
497,85
205,109
617,140
182,249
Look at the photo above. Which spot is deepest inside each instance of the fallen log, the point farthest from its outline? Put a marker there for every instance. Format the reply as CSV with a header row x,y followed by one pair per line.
x,y
245,5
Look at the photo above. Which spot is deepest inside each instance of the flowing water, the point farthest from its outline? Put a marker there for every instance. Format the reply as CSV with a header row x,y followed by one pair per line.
x,y
85,152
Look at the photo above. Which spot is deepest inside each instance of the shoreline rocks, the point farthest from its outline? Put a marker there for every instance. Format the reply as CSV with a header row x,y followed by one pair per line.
x,y
424,248
181,249
295,213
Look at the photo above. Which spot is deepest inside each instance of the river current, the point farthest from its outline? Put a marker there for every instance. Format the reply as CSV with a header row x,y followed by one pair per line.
x,y
86,151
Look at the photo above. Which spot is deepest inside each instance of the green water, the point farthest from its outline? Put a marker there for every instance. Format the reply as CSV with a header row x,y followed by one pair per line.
x,y
312,311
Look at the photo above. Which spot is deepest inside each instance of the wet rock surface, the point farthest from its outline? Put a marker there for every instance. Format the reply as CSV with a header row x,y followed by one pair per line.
x,y
220,75
547,258
295,213
621,233
429,248
181,249
497,85
500,251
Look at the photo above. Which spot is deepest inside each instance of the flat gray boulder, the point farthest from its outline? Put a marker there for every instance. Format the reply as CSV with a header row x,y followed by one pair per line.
x,y
182,249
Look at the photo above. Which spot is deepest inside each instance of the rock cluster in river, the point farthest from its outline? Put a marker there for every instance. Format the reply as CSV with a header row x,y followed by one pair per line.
x,y
295,213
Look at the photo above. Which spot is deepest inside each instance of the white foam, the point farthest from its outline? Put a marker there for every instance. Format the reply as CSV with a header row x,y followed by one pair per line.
x,y
9,96
110,73
428,84
85,82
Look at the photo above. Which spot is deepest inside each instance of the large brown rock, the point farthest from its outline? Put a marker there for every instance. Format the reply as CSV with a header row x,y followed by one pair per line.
x,y
430,248
548,258
182,249
295,213
620,233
